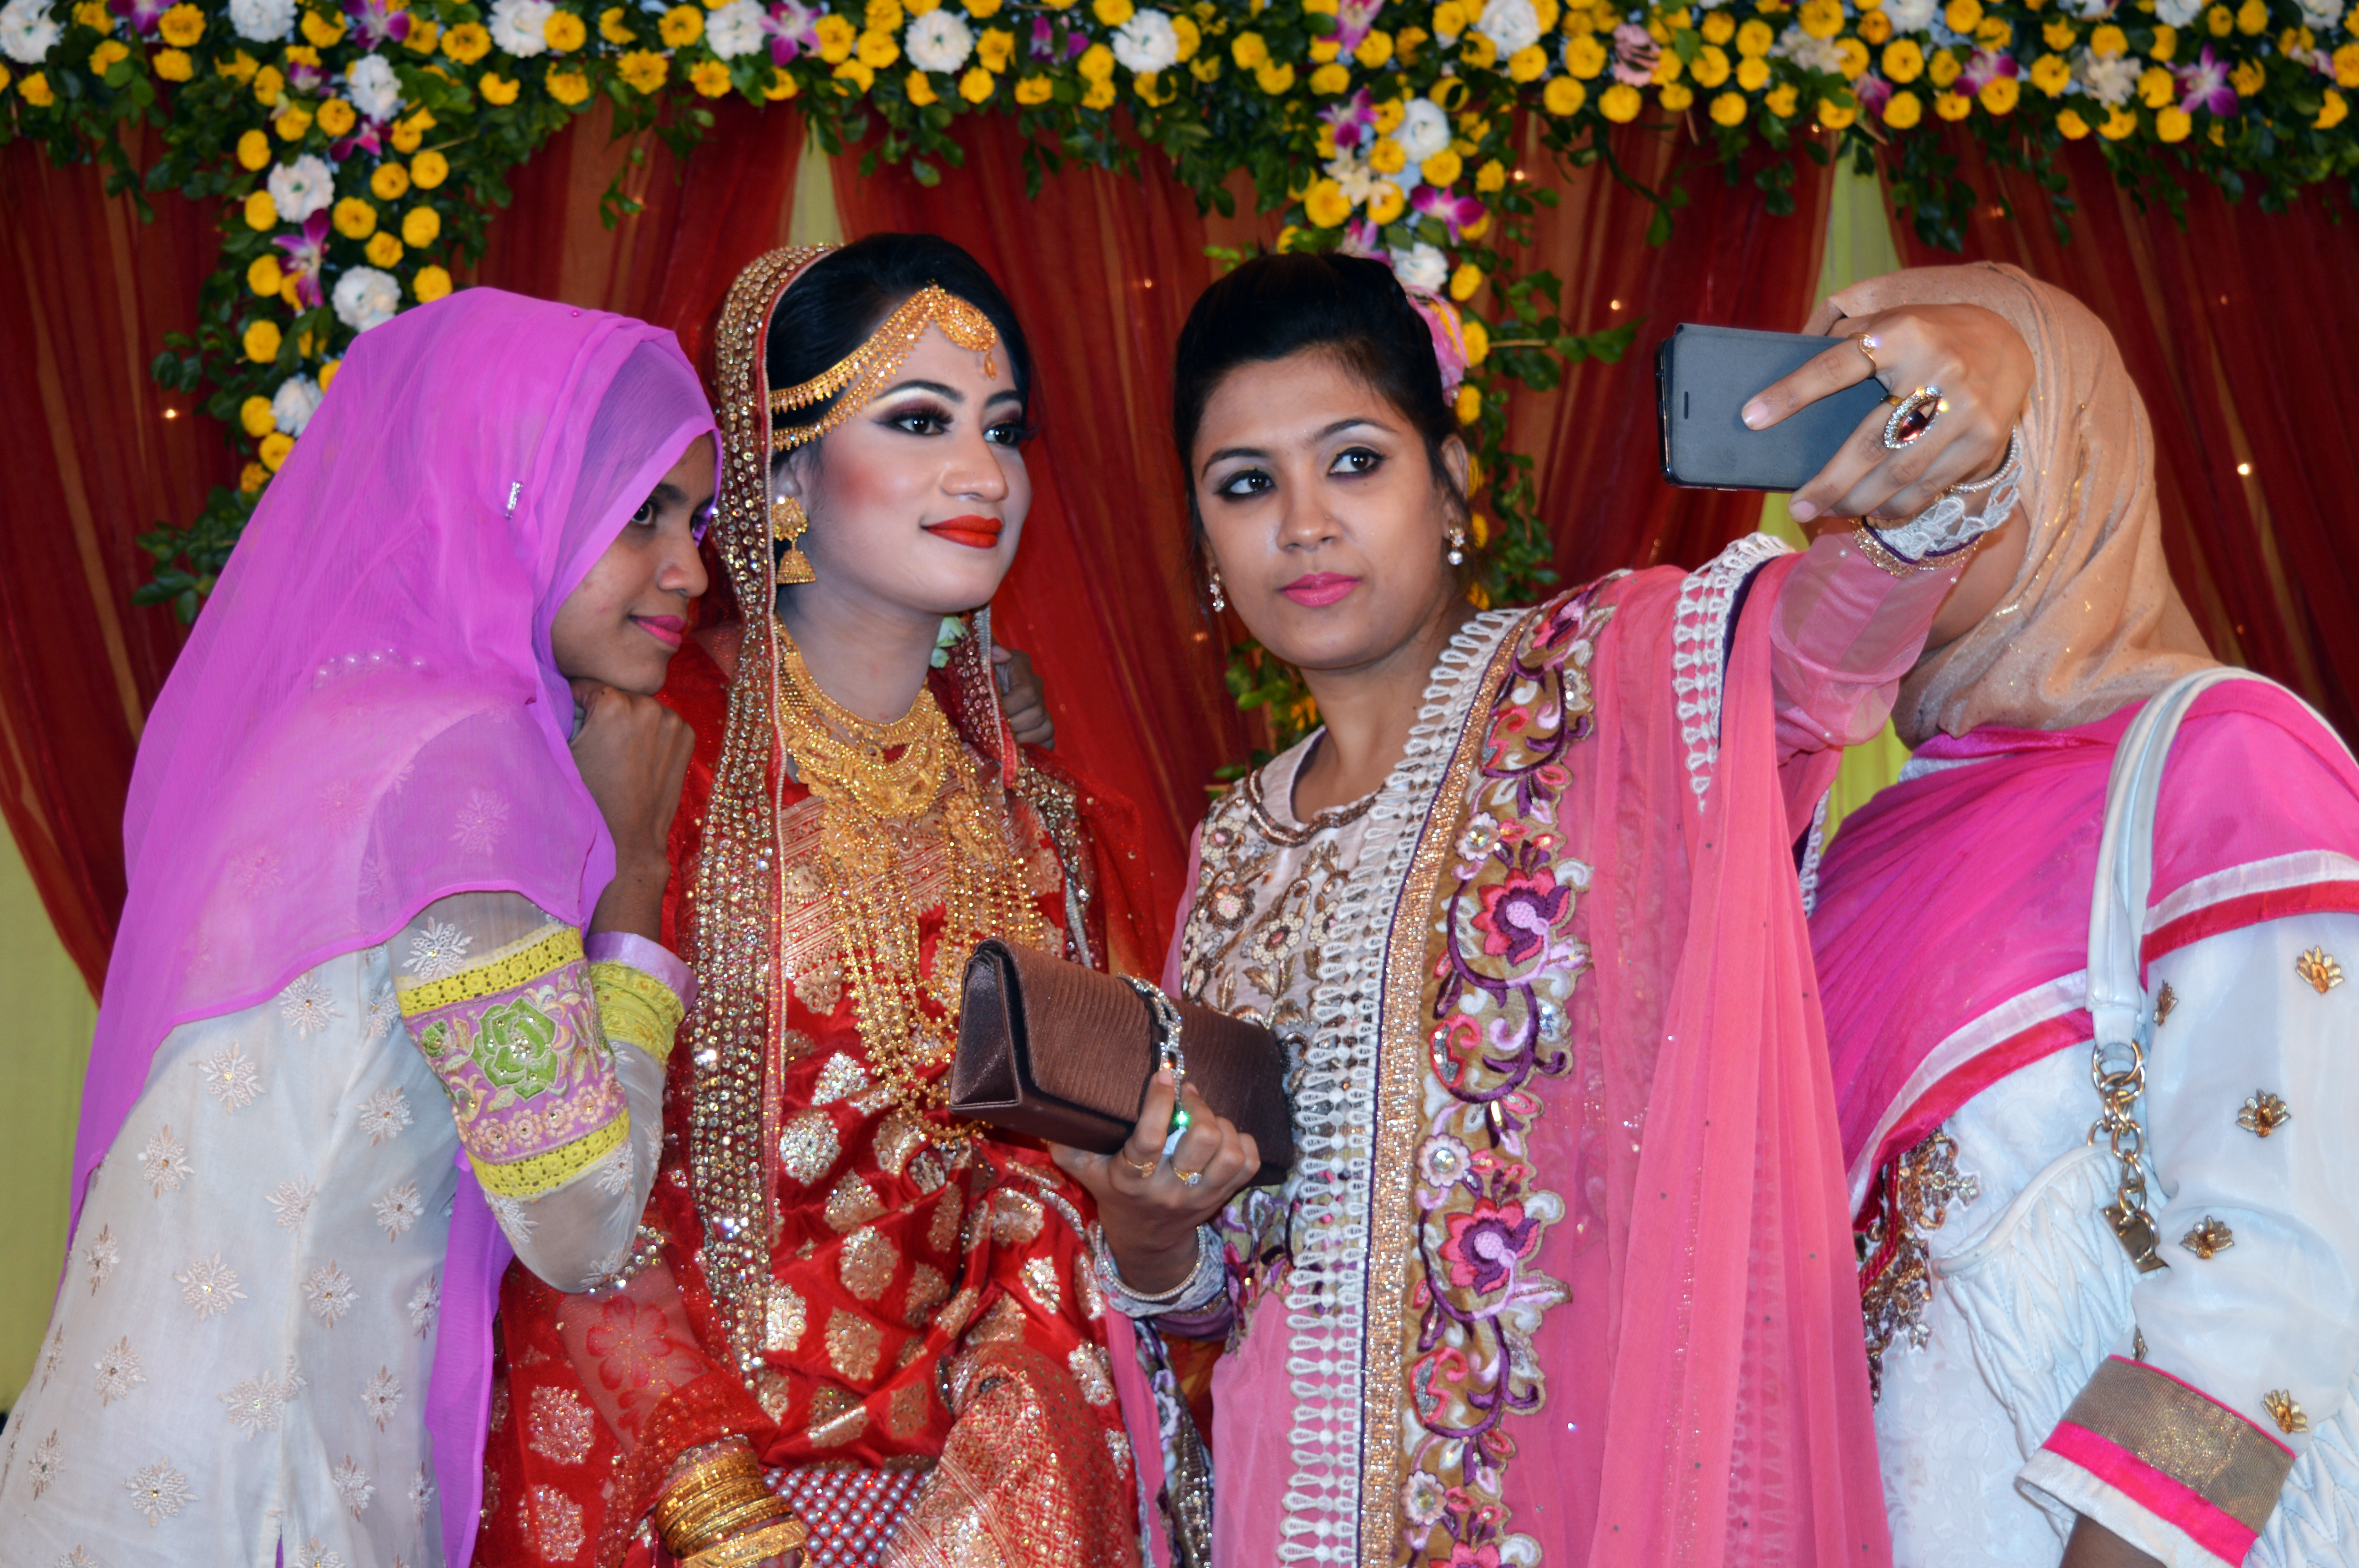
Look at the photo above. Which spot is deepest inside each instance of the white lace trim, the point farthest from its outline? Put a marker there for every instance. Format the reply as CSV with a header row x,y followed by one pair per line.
x,y
1945,528
1813,852
1335,1115
1698,638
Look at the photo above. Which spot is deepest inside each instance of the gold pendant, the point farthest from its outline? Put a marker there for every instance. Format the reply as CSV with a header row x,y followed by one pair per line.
x,y
794,567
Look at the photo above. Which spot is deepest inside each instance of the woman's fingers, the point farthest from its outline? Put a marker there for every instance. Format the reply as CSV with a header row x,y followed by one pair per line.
x,y
1142,1152
1840,366
1201,1144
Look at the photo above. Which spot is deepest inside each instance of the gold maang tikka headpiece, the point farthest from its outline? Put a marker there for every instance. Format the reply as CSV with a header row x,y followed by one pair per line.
x,y
860,375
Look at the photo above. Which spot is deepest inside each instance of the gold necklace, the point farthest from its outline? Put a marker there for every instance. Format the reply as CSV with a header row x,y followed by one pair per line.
x,y
871,801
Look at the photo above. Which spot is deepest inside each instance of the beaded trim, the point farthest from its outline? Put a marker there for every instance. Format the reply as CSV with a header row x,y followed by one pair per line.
x,y
865,371
502,971
1699,644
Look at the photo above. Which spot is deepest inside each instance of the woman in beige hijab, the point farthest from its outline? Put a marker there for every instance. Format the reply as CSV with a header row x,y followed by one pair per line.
x,y
2044,1397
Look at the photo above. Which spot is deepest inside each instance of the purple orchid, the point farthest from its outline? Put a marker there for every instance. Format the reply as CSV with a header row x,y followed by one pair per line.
x,y
1078,45
793,28
1363,238
143,15
369,139
1635,53
1873,93
2205,85
1354,21
1983,65
1353,121
1457,212
305,256
1044,39
306,80
376,23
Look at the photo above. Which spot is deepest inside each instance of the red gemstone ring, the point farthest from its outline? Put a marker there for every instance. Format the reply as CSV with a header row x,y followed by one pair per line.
x,y
1914,416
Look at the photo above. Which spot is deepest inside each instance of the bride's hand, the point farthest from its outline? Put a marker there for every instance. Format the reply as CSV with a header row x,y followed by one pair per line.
x,y
1148,1208
1980,362
1022,698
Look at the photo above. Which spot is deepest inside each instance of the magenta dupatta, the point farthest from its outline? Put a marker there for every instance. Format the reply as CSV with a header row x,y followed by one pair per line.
x,y
368,716
1952,925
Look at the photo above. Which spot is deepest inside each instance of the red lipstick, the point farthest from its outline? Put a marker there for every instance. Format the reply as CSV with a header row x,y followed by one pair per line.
x,y
664,628
974,533
1319,590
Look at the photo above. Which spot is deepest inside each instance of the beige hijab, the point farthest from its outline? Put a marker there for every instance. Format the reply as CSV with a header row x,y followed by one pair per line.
x,y
2093,621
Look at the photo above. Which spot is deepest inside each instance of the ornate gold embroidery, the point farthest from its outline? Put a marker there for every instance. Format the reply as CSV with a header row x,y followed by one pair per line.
x,y
2322,972
782,1324
942,1234
2209,1239
951,1319
2285,1412
907,1413
837,1417
866,1263
927,1291
1092,1372
853,1345
840,1077
1015,1217
1004,1321
1911,1200
1040,1278
807,1148
2263,1114
853,1203
2163,1003
898,1137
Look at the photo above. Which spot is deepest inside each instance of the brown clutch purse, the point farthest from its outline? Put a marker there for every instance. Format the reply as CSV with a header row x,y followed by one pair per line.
x,y
1065,1053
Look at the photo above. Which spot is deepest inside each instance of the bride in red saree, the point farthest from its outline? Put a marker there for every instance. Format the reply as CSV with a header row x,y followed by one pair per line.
x,y
854,1329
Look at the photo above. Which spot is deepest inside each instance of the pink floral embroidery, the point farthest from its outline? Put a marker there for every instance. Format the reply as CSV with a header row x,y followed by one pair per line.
x,y
1486,1243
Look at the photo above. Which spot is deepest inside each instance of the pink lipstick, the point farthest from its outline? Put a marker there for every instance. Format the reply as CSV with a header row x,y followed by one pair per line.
x,y
1319,590
664,628
974,533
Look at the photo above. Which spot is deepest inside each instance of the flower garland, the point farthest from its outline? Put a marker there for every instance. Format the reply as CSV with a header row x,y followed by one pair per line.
x,y
355,147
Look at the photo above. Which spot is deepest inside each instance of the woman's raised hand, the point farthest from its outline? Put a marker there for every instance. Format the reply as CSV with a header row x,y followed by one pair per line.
x,y
1022,698
1149,1208
1983,370
633,754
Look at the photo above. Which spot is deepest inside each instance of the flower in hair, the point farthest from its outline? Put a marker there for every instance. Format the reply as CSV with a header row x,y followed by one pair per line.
x,y
1448,330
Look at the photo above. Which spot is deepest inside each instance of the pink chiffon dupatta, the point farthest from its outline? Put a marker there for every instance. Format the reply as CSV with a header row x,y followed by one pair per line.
x,y
369,718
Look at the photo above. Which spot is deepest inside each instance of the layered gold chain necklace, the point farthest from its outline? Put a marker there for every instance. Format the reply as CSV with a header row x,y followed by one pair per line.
x,y
876,783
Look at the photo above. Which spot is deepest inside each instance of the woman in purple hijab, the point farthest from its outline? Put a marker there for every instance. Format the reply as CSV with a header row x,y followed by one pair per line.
x,y
386,1000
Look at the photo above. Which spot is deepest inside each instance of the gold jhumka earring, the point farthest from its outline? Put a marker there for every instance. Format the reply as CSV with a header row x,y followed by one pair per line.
x,y
787,525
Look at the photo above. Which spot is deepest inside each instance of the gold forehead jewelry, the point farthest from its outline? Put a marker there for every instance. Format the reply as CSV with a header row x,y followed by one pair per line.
x,y
860,375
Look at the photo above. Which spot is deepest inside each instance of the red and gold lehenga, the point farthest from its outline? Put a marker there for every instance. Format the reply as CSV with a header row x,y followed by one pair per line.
x,y
896,1311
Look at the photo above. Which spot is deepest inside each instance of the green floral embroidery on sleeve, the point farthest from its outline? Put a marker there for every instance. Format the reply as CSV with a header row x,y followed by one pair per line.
x,y
517,1052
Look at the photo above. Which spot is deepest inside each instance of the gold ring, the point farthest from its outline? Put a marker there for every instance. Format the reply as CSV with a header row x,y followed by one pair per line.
x,y
1144,1167
1187,1178
1868,345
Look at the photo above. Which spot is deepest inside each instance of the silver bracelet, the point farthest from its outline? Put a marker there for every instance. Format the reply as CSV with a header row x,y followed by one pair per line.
x,y
1944,533
1204,1281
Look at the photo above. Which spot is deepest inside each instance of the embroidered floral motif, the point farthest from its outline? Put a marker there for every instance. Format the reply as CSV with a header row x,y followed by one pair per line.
x,y
309,1006
2285,1412
79,1557
101,1257
556,1529
381,1013
353,1488
438,952
291,1201
328,1294
517,1048
384,1114
1093,1372
1040,1280
231,1078
421,1492
840,1078
119,1372
561,1425
163,1162
480,822
2209,1239
159,1491
314,1555
209,1286
424,1303
256,1404
1909,1201
616,1170
397,1210
512,1216
43,1466
381,1397
56,1352
2263,1113
2318,971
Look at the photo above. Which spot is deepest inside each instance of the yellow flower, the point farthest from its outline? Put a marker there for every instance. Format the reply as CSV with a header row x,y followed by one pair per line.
x,y
1711,67
921,8
429,169
1188,37
1780,100
979,9
836,37
2059,35
1444,167
1851,56
262,341
1387,202
709,77
1205,68
1620,104
92,14
1754,38
2108,42
610,27
1329,80
977,85
882,16
423,36
264,276
2219,21
2165,44
1033,91
1584,56
383,249
2247,77
1667,67
1528,64
239,67
681,26
993,50
274,449
181,26
2051,73
1112,13
2333,112
2346,65
2173,124
1275,79
320,30
1994,33
467,43
254,150
1469,404
1677,96
567,87
1449,19
1096,63
1465,281
1325,205
255,416
336,117
261,211
1953,105
1478,337
497,88
1821,18
411,130
328,373
859,75
1903,110
2156,88
1249,51
421,226
1753,73
2252,17
1374,50
876,50
1492,176
355,219
920,91
1874,28
1386,155
1719,27
1728,109
292,124
564,32
253,477
1943,67
1834,116
1963,16
2069,121
430,285
2119,122
780,85
1563,96
267,85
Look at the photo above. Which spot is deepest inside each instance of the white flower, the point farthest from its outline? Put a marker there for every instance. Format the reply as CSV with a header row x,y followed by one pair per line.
x,y
352,1484
302,188
2089,10
291,1201
1812,54
736,28
384,1114
938,41
1512,25
329,1293
254,1402
159,1491
1148,43
261,21
2109,81
1424,129
308,1003
2178,13
235,1080
377,91
397,1210
1421,267
367,297
381,1396
517,27
1422,1499
1909,16
438,952
119,1372
27,33
292,405
2320,13
209,1286
165,1161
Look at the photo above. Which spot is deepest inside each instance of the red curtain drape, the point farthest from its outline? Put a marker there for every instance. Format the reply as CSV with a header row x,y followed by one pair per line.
x,y
2241,329
1102,269
100,454
1594,443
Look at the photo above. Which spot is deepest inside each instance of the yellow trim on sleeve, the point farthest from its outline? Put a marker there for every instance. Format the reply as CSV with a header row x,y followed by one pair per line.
x,y
502,971
637,1007
544,1174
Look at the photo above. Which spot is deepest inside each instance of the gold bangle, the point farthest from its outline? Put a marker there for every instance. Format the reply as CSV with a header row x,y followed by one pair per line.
x,y
771,1541
715,1498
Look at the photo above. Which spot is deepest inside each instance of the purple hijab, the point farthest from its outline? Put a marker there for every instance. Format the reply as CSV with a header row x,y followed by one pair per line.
x,y
369,718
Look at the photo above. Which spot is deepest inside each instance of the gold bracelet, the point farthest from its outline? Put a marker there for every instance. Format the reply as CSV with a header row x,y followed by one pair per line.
x,y
771,1541
717,1496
